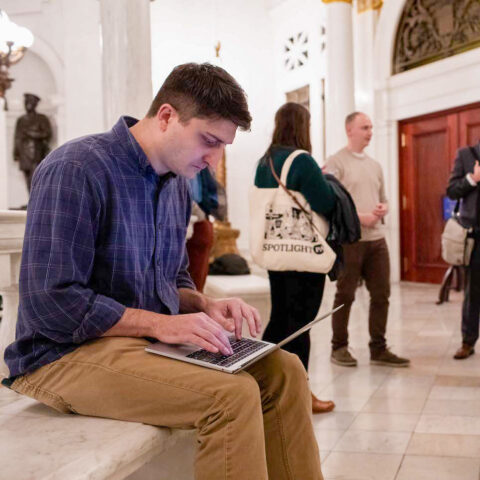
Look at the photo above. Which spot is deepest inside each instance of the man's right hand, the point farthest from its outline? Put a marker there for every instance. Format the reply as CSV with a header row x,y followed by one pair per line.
x,y
476,172
196,328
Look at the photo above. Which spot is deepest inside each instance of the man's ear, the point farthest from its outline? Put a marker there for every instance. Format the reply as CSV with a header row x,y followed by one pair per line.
x,y
165,114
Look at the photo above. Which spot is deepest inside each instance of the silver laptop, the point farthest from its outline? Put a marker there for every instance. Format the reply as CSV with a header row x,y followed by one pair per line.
x,y
245,351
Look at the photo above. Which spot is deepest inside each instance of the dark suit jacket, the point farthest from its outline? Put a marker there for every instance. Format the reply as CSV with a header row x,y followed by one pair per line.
x,y
459,188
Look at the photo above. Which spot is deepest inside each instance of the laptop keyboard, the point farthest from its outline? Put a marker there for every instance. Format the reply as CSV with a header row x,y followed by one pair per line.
x,y
241,348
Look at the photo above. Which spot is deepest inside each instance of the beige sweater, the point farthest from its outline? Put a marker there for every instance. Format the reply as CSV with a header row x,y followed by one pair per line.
x,y
363,178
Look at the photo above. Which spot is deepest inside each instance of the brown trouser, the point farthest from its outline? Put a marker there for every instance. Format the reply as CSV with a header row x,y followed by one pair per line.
x,y
253,425
370,261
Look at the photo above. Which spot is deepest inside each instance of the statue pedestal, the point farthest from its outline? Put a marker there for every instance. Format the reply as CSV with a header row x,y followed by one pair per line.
x,y
225,239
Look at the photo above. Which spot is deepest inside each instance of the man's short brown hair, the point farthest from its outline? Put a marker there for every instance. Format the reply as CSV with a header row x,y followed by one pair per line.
x,y
203,91
351,117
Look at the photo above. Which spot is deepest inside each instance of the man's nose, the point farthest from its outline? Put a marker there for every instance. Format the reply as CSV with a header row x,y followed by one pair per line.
x,y
213,158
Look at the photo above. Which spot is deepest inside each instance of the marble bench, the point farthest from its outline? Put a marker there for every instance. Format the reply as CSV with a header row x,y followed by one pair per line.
x,y
38,443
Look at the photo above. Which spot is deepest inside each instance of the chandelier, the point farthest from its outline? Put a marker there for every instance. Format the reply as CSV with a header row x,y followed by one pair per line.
x,y
14,41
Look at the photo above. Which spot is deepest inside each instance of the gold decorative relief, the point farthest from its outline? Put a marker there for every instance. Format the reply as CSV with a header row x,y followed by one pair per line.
x,y
430,30
365,5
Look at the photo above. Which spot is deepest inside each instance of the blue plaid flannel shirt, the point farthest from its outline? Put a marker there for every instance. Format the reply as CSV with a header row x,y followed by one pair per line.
x,y
104,232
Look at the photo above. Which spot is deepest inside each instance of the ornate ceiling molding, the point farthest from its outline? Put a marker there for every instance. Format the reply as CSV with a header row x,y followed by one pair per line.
x,y
430,30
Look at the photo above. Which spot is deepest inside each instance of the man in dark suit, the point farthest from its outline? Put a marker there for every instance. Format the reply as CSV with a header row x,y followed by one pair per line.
x,y
464,185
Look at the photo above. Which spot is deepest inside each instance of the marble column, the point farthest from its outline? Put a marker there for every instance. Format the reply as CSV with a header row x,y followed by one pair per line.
x,y
127,77
364,25
339,98
363,33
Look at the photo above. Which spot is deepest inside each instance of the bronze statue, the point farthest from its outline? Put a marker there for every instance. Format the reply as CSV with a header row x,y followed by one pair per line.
x,y
32,134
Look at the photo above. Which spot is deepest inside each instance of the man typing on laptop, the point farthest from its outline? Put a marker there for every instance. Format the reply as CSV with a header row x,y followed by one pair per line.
x,y
104,267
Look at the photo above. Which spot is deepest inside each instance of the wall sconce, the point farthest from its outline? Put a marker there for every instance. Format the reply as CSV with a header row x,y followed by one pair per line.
x,y
14,41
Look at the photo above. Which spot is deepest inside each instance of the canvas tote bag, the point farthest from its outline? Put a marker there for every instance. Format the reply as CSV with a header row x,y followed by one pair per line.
x,y
285,234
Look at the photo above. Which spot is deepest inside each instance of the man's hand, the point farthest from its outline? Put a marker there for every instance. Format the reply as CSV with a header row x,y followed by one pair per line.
x,y
380,210
228,310
196,328
476,172
368,219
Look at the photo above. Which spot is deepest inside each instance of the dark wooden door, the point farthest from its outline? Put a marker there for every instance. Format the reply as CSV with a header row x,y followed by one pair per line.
x,y
469,127
427,150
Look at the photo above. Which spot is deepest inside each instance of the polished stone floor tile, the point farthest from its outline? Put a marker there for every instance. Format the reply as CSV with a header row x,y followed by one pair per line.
x,y
361,466
388,422
404,393
438,468
333,421
373,442
470,408
394,405
446,392
352,403
454,424
458,381
326,439
444,445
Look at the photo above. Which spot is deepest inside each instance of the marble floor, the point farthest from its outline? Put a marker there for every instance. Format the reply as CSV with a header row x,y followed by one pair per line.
x,y
418,423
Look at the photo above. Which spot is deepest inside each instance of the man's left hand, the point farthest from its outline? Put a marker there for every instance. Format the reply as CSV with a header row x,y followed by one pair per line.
x,y
234,310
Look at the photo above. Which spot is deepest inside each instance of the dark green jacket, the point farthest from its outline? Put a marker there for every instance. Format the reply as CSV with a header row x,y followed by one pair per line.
x,y
305,176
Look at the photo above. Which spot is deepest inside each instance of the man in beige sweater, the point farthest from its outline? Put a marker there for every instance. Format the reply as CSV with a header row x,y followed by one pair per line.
x,y
368,258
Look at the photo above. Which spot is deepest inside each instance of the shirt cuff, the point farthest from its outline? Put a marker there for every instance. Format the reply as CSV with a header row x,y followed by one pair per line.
x,y
470,179
185,283
103,315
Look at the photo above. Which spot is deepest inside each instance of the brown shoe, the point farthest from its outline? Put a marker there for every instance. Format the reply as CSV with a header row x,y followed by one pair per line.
x,y
464,352
319,406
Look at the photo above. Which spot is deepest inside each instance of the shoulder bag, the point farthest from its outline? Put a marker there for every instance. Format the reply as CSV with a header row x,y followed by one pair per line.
x,y
457,243
285,234
457,246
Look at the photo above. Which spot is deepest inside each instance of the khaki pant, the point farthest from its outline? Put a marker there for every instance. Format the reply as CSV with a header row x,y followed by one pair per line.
x,y
251,426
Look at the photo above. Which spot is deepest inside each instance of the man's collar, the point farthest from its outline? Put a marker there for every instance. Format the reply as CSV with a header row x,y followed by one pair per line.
x,y
133,148
130,144
356,154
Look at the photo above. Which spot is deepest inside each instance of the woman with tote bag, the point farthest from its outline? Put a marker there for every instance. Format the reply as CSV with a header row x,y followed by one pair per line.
x,y
296,295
